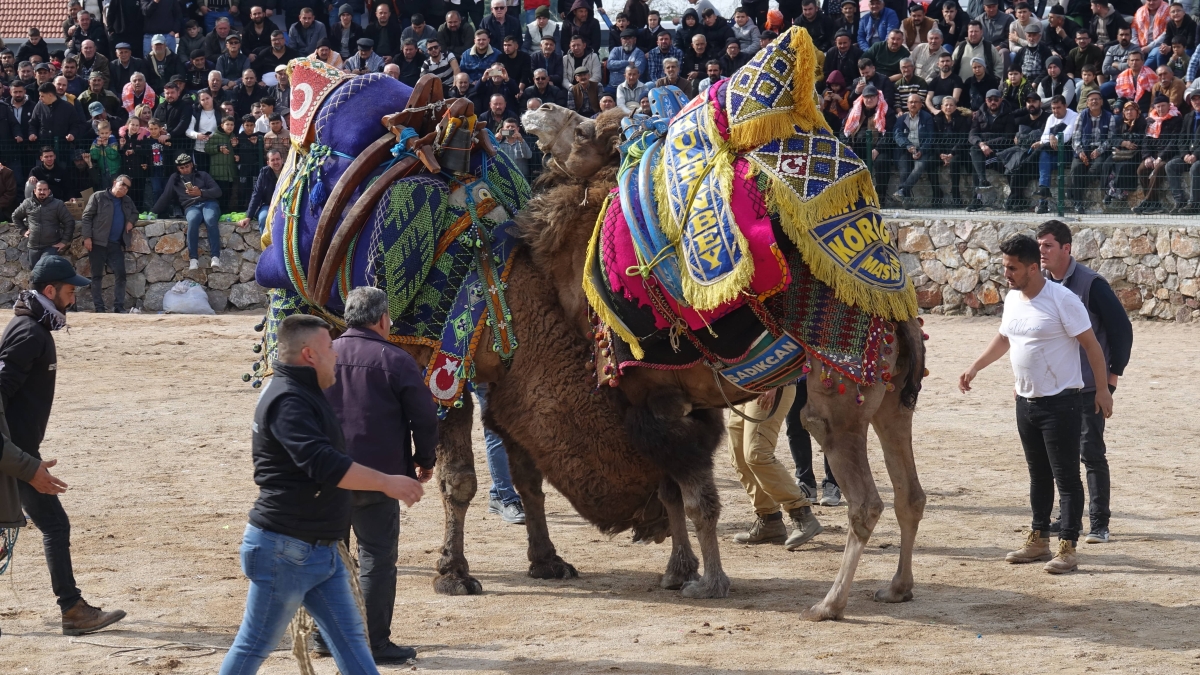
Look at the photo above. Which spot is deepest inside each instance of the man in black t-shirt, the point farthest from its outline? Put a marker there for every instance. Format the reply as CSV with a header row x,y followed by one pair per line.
x,y
945,84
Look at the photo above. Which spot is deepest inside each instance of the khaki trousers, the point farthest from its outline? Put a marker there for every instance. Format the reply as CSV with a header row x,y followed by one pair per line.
x,y
752,452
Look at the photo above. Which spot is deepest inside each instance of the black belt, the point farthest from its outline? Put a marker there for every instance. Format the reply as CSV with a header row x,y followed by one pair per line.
x,y
312,541
1061,394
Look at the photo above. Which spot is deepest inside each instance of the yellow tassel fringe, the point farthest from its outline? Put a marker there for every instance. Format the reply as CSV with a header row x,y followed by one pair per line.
x,y
595,299
803,113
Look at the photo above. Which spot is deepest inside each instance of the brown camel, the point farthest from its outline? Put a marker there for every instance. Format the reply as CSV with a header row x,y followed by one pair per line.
x,y
640,456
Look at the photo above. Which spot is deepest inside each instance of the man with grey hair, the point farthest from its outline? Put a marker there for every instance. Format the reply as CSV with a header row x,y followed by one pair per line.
x,y
107,232
388,418
290,546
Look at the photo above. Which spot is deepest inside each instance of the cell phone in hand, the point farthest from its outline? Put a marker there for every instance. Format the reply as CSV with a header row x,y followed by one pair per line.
x,y
187,186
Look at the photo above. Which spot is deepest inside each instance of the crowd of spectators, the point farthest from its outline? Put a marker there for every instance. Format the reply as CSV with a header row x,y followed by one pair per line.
x,y
914,88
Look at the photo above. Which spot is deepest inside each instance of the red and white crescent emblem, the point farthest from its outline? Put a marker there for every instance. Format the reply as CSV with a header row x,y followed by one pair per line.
x,y
311,81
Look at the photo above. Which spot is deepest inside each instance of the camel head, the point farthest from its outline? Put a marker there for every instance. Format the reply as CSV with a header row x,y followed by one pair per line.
x,y
554,127
596,145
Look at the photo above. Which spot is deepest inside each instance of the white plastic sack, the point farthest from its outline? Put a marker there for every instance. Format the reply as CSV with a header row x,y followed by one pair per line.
x,y
187,297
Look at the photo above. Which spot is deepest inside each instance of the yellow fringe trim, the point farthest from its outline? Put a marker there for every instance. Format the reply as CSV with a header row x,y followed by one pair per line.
x,y
595,299
803,113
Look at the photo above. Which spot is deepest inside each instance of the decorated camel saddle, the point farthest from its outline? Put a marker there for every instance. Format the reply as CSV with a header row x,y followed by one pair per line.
x,y
416,202
743,234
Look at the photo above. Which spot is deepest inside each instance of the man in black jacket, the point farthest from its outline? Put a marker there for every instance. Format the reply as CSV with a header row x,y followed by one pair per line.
x,y
176,112
290,546
1188,160
843,57
54,117
992,130
819,25
953,129
28,365
545,90
49,170
196,193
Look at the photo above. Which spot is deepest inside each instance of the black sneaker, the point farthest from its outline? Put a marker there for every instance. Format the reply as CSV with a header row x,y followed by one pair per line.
x,y
1043,206
1056,526
393,653
1098,535
976,205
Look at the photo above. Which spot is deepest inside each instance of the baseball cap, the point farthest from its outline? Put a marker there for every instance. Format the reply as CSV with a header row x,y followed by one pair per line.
x,y
628,33
42,66
95,108
870,90
1032,95
281,68
158,39
993,93
991,2
54,269
234,37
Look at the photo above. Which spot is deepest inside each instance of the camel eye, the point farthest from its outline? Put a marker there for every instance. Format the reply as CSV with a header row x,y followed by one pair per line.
x,y
581,133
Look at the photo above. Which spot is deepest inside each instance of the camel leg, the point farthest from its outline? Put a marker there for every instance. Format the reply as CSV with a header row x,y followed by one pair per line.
x,y
456,480
703,506
683,566
893,425
840,427
544,562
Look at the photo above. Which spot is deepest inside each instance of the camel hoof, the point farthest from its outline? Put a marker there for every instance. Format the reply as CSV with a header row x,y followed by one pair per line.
x,y
555,568
889,595
820,612
673,581
453,584
706,588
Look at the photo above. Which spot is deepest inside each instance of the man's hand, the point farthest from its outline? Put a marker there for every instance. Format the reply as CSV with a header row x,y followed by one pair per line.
x,y
766,400
403,488
60,247
1096,154
946,157
87,243
964,380
243,223
192,191
424,475
1190,159
71,137
32,137
128,226
1104,402
46,484
1054,142
987,151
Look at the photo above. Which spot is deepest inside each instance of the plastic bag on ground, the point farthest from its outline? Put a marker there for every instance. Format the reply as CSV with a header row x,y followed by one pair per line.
x,y
187,297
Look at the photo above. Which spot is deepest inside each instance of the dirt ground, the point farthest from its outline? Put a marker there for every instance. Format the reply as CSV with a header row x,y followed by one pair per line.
x,y
151,429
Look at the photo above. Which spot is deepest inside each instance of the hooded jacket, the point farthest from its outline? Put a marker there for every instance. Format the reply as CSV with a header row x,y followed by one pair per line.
x,y
48,221
589,30
15,465
28,364
684,33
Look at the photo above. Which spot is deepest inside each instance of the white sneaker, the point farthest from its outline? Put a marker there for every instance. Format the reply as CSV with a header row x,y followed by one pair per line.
x,y
194,264
216,262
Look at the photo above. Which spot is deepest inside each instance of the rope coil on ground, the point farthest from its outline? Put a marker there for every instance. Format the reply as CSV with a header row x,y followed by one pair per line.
x,y
302,625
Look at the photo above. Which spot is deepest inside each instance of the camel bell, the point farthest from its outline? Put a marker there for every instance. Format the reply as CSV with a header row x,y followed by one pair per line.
x,y
455,155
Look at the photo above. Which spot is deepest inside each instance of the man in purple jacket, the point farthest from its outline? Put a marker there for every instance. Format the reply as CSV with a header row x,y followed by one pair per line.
x,y
385,409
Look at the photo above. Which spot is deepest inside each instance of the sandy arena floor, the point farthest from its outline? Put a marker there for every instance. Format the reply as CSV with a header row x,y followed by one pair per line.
x,y
151,429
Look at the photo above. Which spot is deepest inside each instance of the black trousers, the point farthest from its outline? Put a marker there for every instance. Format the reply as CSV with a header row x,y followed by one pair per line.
x,y
800,443
376,522
1050,434
35,254
47,513
1080,174
113,256
1093,453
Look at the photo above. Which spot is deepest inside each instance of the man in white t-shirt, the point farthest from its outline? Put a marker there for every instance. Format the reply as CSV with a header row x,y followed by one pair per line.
x,y
1044,325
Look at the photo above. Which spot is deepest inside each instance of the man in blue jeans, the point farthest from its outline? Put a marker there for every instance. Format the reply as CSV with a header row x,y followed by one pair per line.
x,y
503,499
290,547
1060,128
196,193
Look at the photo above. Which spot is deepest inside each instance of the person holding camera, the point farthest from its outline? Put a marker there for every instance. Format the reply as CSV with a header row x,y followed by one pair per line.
x,y
196,193
514,146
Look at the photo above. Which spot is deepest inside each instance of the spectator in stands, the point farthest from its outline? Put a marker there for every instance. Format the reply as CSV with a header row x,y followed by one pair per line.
x,y
581,56
204,121
1016,87
480,57
456,37
49,170
631,91
1150,29
277,138
264,188
305,33
916,26
496,82
419,31
1129,148
1116,60
1056,83
992,131
91,60
915,142
1084,53
544,90
1180,26
648,36
745,31
539,29
1088,85
867,128
689,25
54,118
162,64
34,46
232,63
843,57
1022,19
516,63
409,61
975,47
87,30
256,34
464,88
499,24
191,38
875,26
385,32
977,86
196,193
214,41
908,83
672,77
44,220
1186,160
510,142
952,21
712,76
820,26
75,85
8,191
581,22
1020,162
1060,33
498,111
326,55
1060,128
276,54
17,113
664,50
584,97
1163,126
175,112
869,76
137,93
440,65
835,101
120,69
249,92
607,102
846,20
345,34
696,57
215,10
222,151
1090,143
550,60
1169,86
365,60
215,86
107,227
1032,58
953,126
281,91
249,160
1135,83
1106,23
626,55
925,56
732,59
615,29
996,24
945,83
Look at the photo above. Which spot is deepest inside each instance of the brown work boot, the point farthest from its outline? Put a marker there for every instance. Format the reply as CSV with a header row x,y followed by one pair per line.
x,y
1036,548
1065,560
805,526
82,618
768,529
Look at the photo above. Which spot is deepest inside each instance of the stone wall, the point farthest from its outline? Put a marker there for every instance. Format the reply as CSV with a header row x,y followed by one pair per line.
x,y
157,259
955,264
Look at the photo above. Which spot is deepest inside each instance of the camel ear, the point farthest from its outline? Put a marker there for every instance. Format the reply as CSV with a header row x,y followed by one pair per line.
x,y
616,144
